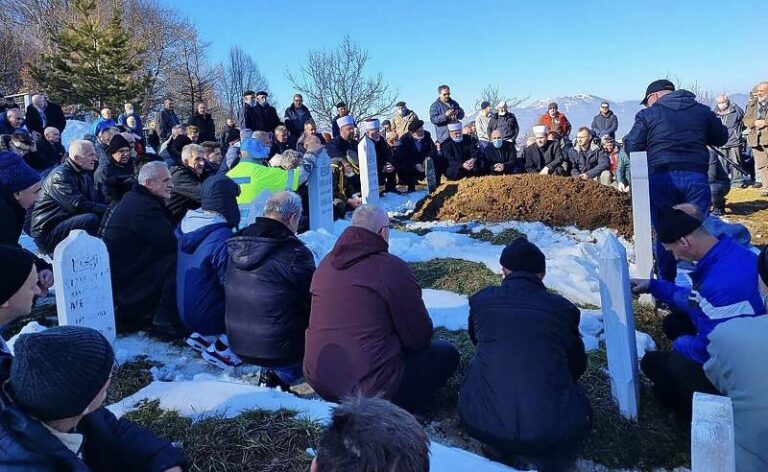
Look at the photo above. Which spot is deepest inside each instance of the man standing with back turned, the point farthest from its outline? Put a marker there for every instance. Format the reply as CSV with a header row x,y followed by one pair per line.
x,y
675,130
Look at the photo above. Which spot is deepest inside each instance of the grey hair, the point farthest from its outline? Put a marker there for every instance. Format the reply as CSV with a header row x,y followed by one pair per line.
x,y
177,127
50,129
282,206
262,136
114,130
281,128
186,153
290,159
76,147
370,217
150,170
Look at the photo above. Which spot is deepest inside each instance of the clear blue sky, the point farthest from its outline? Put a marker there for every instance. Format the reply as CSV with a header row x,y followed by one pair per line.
x,y
539,48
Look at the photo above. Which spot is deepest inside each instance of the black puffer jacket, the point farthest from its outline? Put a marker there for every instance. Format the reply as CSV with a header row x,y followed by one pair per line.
x,y
114,180
267,293
591,162
520,389
550,156
49,154
186,192
67,191
206,126
457,153
506,124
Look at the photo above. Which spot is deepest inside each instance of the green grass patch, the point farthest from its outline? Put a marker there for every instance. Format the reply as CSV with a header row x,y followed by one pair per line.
x,y
502,238
130,377
257,440
649,320
403,227
454,275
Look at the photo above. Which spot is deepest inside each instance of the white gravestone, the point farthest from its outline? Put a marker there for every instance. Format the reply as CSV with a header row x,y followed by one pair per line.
x,y
369,171
641,218
619,325
713,446
321,194
83,283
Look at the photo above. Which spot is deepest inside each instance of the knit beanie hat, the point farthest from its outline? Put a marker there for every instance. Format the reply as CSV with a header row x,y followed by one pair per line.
x,y
219,193
673,224
415,125
179,142
523,256
16,264
58,372
117,142
15,174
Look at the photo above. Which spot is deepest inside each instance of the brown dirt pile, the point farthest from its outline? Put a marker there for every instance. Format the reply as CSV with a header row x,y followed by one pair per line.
x,y
554,201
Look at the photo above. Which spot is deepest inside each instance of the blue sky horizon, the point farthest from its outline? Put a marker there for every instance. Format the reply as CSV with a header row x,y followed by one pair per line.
x,y
611,49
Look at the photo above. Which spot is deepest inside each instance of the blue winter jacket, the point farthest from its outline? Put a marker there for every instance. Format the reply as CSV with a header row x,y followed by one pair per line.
x,y
438,118
724,287
675,132
201,271
101,124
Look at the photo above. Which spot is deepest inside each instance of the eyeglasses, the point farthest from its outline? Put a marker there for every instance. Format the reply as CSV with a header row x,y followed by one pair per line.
x,y
448,94
604,107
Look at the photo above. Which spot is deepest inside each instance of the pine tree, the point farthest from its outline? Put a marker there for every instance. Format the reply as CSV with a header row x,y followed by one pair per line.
x,y
93,64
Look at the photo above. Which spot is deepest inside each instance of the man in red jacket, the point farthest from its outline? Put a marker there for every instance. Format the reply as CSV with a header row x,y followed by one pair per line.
x,y
369,332
556,121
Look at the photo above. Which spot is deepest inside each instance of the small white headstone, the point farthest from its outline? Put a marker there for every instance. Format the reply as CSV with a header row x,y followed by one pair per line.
x,y
321,194
83,283
641,218
713,446
619,325
369,171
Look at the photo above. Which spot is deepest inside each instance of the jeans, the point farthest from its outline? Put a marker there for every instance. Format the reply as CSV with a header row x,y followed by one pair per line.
x,y
424,373
289,374
675,378
88,222
670,188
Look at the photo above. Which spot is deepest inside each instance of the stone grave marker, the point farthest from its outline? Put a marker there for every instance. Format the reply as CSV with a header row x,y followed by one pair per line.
x,y
83,284
641,218
369,171
321,194
713,446
619,325
429,171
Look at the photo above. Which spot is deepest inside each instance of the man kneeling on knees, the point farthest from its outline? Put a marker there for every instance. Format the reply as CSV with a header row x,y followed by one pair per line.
x,y
51,418
723,286
520,396
369,332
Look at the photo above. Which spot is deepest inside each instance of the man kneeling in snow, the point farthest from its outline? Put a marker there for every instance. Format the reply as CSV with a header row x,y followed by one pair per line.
x,y
520,396
51,418
267,291
360,438
369,332
724,287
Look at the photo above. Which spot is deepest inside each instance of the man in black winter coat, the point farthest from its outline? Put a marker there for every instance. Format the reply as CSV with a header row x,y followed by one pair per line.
x,y
605,122
142,252
501,156
544,156
257,114
51,414
415,146
345,141
187,178
166,120
204,123
589,161
267,292
69,199
49,147
462,156
115,178
41,114
504,121
520,396
384,158
296,116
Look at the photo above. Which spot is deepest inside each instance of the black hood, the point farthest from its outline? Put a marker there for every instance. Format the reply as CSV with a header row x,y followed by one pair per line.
x,y
251,247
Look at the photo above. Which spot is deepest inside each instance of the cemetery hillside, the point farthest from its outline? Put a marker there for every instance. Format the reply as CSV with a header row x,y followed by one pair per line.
x,y
262,238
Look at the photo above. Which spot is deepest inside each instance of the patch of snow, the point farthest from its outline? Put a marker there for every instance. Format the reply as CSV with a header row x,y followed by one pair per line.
x,y
399,204
203,398
31,327
447,309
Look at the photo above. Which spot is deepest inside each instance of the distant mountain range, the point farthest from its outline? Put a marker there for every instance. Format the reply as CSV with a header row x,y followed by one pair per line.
x,y
580,109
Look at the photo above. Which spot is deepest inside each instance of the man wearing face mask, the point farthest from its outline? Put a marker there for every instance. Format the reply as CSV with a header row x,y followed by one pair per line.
x,y
462,156
501,156
724,287
402,118
731,116
257,114
384,158
504,121
756,121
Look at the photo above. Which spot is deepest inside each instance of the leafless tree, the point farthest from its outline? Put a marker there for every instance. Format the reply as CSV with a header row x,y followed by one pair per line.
x,y
703,94
492,95
11,60
331,76
240,73
193,78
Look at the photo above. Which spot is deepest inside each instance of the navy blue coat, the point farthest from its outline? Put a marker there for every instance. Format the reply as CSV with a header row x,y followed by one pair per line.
x,y
520,389
110,444
592,162
294,121
201,271
675,132
605,124
438,118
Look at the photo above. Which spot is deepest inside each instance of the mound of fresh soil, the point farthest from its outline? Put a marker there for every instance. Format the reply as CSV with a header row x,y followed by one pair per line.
x,y
554,201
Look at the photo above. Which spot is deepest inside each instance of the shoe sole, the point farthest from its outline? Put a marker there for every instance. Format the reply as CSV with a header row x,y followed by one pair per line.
x,y
196,345
218,362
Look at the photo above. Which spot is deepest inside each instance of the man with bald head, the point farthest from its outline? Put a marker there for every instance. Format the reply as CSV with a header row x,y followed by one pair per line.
x,y
12,120
42,113
369,332
49,147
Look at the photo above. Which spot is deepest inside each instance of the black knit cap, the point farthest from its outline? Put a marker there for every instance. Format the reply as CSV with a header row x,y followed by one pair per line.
x,y
415,125
16,264
58,372
523,256
219,193
673,224
116,143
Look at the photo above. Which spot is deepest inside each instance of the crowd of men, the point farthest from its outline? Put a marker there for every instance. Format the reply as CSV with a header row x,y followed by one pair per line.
x,y
189,261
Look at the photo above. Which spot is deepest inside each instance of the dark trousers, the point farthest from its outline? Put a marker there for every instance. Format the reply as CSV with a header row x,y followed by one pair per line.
x,y
719,192
677,324
408,175
424,373
675,378
388,180
151,290
669,188
88,222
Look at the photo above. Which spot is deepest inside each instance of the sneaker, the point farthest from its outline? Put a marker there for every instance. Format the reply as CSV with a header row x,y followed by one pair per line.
x,y
757,185
221,356
200,343
268,378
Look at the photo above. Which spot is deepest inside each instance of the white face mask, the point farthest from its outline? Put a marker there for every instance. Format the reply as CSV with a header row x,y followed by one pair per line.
x,y
457,139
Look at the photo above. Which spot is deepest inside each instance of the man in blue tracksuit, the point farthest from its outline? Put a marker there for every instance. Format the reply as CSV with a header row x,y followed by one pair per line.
x,y
724,287
675,131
